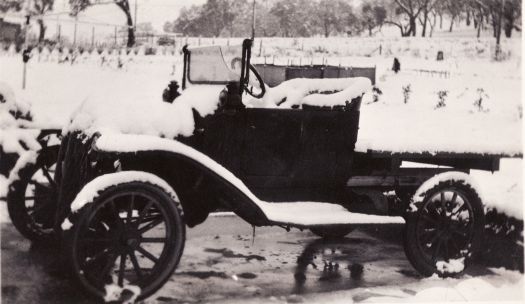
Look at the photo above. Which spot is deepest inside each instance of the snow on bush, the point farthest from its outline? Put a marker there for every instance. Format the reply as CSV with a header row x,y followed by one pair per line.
x,y
15,114
26,158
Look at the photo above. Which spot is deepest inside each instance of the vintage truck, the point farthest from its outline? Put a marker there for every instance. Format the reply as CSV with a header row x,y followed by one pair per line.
x,y
120,203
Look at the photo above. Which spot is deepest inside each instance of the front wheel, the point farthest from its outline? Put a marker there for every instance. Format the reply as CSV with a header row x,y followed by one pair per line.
x,y
131,235
446,229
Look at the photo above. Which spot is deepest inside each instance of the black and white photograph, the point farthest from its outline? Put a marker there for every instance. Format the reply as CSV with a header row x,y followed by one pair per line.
x,y
261,151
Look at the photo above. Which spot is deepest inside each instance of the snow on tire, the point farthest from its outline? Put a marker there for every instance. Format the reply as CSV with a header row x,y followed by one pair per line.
x,y
444,229
126,232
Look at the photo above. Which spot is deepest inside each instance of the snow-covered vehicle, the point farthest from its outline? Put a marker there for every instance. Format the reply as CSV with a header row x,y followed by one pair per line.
x,y
282,157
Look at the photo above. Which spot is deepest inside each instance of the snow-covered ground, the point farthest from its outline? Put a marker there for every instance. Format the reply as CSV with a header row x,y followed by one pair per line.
x,y
406,116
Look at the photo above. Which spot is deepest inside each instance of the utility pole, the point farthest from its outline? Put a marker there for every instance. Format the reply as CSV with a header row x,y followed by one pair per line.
x,y
136,8
498,34
75,32
92,36
253,20
26,53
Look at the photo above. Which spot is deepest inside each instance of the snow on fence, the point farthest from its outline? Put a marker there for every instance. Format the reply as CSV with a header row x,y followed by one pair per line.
x,y
301,51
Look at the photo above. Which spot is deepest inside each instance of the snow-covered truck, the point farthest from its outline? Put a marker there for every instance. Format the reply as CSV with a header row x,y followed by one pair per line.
x,y
127,186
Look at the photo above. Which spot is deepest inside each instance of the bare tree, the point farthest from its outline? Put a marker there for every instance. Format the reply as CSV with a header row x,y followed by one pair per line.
x,y
40,7
80,5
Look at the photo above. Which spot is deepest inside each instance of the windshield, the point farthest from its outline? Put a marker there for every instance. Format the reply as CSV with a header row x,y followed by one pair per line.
x,y
215,64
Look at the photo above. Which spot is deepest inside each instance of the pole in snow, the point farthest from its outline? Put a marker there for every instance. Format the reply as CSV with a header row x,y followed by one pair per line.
x,y
26,53
253,20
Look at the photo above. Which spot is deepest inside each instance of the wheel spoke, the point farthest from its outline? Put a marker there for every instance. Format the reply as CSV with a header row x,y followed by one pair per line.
x,y
429,219
454,198
147,254
460,208
116,214
151,225
136,265
109,264
443,203
436,251
153,240
130,208
121,270
48,177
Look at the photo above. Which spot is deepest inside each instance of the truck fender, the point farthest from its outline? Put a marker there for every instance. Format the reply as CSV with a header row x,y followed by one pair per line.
x,y
457,176
201,183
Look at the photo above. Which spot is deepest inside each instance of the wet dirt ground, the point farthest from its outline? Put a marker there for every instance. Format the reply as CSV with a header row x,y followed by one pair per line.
x,y
222,262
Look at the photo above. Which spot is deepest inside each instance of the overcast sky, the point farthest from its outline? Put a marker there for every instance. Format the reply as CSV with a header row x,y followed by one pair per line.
x,y
155,11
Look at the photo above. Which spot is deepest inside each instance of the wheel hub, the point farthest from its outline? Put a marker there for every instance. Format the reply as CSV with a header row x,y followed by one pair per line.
x,y
130,239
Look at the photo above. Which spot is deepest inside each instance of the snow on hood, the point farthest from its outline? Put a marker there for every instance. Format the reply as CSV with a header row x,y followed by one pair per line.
x,y
145,113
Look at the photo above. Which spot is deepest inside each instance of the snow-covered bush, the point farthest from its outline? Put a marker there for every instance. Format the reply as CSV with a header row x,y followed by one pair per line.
x,y
406,93
442,96
478,103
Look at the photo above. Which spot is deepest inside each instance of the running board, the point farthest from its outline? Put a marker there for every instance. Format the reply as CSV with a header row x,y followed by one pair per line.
x,y
305,214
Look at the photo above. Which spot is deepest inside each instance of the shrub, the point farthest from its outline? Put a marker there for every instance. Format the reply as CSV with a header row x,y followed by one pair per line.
x,y
406,93
478,103
442,95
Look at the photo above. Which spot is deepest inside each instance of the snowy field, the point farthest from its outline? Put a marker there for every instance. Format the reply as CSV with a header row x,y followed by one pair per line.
x,y
466,103
479,109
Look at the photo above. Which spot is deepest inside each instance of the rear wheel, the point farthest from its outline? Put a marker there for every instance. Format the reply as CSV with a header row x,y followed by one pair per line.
x,y
445,232
132,234
332,231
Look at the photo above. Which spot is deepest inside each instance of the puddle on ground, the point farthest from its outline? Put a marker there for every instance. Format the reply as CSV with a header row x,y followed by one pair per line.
x,y
247,275
204,274
227,253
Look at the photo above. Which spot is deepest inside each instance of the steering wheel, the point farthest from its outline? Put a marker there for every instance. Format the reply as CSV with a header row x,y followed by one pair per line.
x,y
249,90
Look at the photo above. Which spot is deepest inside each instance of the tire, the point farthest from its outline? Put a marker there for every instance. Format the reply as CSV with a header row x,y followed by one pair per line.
x,y
433,237
332,231
116,224
35,183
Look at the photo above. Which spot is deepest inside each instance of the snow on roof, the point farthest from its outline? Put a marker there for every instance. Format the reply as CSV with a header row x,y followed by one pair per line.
x,y
313,91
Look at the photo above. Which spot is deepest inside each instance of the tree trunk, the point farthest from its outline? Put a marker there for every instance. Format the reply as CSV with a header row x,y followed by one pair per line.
x,y
480,21
131,31
425,20
451,24
412,26
42,33
440,21
509,22
468,18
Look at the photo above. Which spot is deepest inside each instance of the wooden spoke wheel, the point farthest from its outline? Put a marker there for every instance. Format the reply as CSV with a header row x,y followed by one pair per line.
x,y
131,235
31,198
447,226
